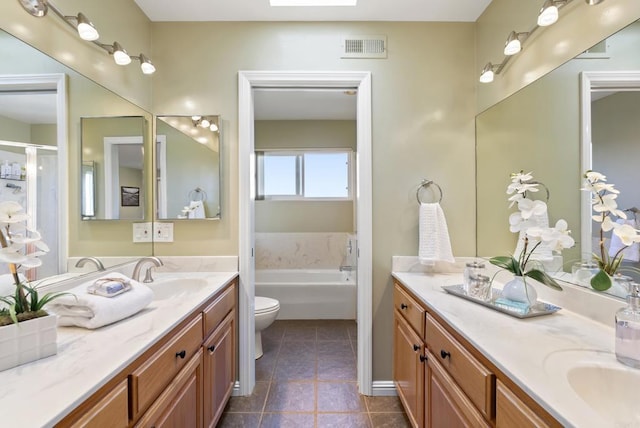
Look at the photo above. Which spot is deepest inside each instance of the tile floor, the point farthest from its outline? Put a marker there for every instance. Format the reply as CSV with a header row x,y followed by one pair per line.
x,y
307,378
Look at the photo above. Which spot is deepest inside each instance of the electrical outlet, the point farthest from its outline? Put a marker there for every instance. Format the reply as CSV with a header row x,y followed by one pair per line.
x,y
162,232
142,232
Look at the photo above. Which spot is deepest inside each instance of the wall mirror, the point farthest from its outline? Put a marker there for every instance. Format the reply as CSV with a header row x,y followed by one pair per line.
x,y
114,147
188,167
539,129
48,134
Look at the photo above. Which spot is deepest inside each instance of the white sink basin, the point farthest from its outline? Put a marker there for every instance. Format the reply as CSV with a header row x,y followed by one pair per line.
x,y
607,387
174,288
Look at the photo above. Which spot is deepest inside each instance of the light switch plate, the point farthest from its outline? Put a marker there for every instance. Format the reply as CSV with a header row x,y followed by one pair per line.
x,y
142,232
162,232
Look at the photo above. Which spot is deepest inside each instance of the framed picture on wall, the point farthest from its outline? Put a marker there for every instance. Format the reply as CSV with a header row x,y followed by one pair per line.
x,y
129,196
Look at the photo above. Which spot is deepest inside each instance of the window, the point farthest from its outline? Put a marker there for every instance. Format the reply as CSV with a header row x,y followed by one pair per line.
x,y
302,175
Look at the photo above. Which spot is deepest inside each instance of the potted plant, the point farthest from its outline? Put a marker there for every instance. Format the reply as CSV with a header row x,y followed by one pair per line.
x,y
27,331
534,237
605,208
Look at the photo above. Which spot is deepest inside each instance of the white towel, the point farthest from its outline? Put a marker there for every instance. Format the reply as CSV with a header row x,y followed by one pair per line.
x,y
91,311
543,252
196,209
434,244
632,252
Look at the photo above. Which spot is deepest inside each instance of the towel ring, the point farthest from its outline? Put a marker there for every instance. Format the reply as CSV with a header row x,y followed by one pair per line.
x,y
426,183
540,183
197,192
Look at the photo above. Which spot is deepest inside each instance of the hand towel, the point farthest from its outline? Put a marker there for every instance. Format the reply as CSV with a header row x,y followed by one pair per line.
x,y
434,244
543,252
632,252
196,209
91,311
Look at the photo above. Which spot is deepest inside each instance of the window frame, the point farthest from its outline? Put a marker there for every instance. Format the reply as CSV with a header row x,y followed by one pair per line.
x,y
299,154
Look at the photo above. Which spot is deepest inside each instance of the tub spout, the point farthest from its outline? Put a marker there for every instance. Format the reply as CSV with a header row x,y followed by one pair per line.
x,y
147,277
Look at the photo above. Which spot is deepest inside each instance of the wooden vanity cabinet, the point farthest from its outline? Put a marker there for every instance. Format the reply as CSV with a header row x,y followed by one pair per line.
x,y
184,380
443,381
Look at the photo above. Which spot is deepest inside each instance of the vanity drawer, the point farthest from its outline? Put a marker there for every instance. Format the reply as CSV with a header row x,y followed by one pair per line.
x,y
472,377
218,309
411,310
148,380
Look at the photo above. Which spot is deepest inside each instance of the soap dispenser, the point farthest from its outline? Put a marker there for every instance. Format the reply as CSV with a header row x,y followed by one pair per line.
x,y
628,329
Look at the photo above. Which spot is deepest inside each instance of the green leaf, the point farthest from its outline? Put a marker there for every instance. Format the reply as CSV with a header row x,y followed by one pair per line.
x,y
601,281
543,278
13,315
507,263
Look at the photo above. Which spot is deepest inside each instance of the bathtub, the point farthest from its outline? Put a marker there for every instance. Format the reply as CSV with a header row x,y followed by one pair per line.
x,y
309,294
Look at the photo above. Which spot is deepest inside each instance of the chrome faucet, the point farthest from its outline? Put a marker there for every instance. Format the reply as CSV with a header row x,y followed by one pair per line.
x,y
147,276
83,261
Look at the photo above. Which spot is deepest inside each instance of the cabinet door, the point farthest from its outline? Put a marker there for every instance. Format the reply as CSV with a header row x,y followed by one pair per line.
x,y
408,370
219,369
111,411
180,404
447,406
512,412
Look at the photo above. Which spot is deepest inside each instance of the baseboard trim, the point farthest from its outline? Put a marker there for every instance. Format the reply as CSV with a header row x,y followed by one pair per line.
x,y
384,388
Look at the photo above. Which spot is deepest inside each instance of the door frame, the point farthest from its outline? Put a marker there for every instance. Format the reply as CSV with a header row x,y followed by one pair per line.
x,y
591,81
247,81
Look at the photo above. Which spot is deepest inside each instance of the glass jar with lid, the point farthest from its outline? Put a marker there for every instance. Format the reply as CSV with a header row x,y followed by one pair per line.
x,y
471,269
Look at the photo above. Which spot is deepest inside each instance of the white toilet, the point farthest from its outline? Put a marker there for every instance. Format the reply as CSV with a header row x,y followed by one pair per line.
x,y
266,313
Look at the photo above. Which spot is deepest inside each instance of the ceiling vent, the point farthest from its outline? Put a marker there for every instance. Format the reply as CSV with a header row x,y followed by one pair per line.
x,y
364,47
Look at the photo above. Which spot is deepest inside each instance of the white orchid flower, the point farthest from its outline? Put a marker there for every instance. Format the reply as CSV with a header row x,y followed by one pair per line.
x,y
607,224
521,176
529,207
627,234
515,198
594,176
516,222
607,203
11,212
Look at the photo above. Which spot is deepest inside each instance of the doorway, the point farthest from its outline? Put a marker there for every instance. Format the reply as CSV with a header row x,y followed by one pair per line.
x,y
247,82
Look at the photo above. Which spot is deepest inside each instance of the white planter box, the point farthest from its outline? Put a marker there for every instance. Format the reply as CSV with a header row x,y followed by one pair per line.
x,y
27,341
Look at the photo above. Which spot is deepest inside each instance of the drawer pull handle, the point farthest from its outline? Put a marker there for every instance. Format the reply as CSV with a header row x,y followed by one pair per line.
x,y
181,354
403,306
212,348
423,358
444,354
415,347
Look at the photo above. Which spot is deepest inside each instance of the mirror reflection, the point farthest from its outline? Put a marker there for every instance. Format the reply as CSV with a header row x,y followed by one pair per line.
x,y
538,129
188,167
115,147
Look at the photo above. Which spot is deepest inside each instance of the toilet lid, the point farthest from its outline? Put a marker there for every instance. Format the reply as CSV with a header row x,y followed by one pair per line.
x,y
266,304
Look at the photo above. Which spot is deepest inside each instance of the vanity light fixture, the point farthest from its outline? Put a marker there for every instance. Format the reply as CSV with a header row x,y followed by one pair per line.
x,y
547,16
203,122
87,31
513,45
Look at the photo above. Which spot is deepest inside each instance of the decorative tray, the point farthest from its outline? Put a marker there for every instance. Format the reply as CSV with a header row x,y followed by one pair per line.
x,y
540,308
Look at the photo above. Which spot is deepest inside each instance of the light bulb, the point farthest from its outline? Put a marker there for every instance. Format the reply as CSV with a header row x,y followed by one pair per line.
x,y
205,123
120,56
513,45
487,74
213,127
548,14
86,30
145,65
196,118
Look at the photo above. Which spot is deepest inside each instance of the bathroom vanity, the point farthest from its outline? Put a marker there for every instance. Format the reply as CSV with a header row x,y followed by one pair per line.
x,y
173,363
457,363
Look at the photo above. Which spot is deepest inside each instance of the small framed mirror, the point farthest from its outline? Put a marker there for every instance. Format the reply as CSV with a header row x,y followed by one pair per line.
x,y
114,146
188,167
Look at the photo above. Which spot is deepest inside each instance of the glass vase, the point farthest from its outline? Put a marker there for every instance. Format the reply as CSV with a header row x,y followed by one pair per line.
x,y
520,290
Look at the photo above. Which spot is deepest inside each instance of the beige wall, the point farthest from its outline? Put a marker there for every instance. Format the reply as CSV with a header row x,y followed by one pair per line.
x,y
44,134
305,216
423,108
580,26
14,130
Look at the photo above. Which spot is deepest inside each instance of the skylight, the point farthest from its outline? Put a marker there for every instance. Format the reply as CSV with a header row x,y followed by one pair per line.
x,y
313,2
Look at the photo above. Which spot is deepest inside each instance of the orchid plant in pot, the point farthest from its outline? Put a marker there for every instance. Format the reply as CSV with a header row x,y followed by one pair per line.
x,y
605,208
537,241
27,331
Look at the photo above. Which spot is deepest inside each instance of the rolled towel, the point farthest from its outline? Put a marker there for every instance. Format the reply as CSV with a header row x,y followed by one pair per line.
x,y
196,209
434,244
91,311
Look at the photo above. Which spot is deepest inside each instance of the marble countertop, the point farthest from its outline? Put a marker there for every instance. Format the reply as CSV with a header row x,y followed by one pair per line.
x,y
41,393
526,350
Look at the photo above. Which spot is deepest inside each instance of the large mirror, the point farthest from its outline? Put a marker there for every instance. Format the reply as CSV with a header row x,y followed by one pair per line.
x,y
44,136
114,147
188,167
539,129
